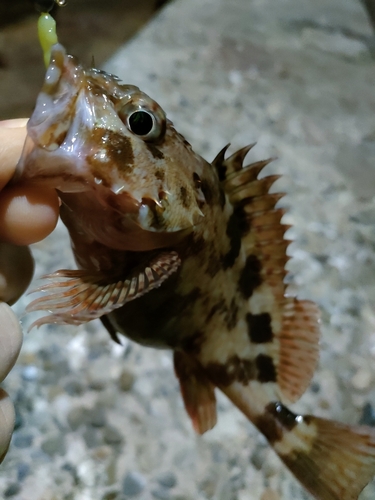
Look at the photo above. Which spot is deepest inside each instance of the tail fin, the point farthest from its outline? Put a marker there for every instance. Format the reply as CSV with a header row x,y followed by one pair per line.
x,y
332,461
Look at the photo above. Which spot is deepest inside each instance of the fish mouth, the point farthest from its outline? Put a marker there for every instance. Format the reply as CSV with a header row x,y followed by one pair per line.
x,y
55,104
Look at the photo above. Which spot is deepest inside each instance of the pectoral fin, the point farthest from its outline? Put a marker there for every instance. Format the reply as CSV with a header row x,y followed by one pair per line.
x,y
76,296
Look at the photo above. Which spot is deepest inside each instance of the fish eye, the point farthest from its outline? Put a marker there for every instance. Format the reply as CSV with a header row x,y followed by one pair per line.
x,y
144,118
141,123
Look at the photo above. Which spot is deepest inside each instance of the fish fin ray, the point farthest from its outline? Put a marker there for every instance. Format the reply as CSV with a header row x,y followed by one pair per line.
x,y
197,391
299,347
90,297
333,461
340,463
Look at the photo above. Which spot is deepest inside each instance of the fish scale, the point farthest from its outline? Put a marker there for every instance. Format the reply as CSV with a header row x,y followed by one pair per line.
x,y
178,253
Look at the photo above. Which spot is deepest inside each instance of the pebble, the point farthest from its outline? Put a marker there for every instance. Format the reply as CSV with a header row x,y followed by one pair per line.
x,y
12,490
97,417
69,467
111,435
23,470
161,493
77,417
18,422
92,437
30,373
237,479
365,217
126,380
167,479
22,439
362,379
54,445
74,388
133,484
111,495
258,456
98,374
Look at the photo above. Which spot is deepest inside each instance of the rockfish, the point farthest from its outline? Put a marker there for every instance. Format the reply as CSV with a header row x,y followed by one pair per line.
x,y
178,253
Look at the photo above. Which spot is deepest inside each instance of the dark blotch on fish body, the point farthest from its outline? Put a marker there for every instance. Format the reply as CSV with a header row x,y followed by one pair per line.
x,y
193,343
185,197
250,277
118,149
234,234
266,368
259,328
235,369
160,175
275,421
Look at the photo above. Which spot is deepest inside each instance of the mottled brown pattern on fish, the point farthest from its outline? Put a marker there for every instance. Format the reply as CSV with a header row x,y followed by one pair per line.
x,y
185,198
118,148
235,369
202,252
160,175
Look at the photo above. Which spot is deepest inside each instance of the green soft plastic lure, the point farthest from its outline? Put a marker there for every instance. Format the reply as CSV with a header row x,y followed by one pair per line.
x,y
47,26
47,35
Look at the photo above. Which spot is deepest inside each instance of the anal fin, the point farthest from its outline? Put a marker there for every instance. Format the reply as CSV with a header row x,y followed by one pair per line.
x,y
197,392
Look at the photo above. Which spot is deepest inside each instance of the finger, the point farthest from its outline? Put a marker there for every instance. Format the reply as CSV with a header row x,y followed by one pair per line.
x,y
27,214
16,271
7,417
12,138
10,339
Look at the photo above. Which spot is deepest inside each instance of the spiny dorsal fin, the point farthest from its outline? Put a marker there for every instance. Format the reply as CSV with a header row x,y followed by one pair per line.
x,y
226,167
235,162
266,248
77,296
218,162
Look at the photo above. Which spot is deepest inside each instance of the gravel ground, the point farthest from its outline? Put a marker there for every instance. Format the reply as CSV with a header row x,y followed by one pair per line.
x,y
99,421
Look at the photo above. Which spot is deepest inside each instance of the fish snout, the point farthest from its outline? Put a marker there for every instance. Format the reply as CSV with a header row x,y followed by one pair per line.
x,y
54,108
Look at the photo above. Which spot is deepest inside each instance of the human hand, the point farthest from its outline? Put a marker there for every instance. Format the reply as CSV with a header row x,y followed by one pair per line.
x,y
27,215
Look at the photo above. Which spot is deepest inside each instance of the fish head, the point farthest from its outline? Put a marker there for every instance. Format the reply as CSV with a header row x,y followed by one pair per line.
x,y
95,139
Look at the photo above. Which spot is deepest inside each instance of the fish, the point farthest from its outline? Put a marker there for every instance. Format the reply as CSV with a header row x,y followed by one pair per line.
x,y
178,253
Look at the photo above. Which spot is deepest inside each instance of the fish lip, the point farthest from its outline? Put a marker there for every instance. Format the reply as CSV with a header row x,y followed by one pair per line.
x,y
63,81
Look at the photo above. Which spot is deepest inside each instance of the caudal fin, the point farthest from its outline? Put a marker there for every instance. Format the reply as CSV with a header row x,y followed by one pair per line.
x,y
333,461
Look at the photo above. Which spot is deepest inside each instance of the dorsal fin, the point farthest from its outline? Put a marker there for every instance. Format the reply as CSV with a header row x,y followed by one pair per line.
x,y
265,246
